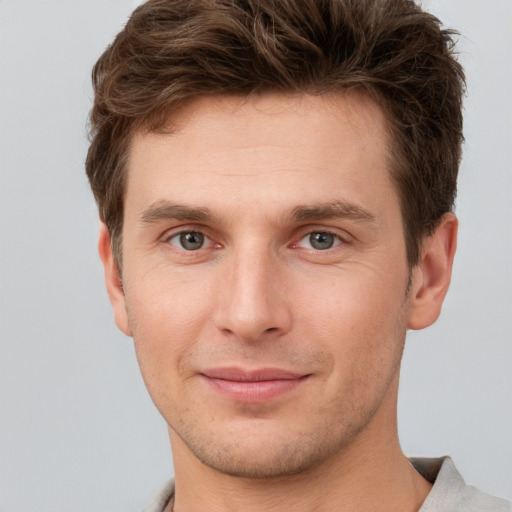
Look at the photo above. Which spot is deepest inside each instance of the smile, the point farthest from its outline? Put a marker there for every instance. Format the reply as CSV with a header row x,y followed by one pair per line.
x,y
255,386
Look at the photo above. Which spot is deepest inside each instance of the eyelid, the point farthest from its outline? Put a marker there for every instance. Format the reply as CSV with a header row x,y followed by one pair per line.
x,y
340,234
177,235
189,228
185,228
338,241
343,236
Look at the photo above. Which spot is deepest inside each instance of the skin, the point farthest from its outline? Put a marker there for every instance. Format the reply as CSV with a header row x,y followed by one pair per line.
x,y
258,178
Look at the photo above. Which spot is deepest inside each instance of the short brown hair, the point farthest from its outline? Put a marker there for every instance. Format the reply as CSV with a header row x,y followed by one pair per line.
x,y
172,51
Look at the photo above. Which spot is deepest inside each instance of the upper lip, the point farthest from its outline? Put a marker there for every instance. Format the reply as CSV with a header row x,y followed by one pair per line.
x,y
256,375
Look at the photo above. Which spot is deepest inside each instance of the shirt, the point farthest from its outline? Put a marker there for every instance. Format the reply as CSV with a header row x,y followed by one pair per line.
x,y
449,492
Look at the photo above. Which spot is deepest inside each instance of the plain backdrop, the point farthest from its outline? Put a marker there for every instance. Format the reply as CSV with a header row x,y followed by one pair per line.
x,y
77,430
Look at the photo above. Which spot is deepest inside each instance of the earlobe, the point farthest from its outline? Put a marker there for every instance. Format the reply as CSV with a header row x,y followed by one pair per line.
x,y
431,277
113,281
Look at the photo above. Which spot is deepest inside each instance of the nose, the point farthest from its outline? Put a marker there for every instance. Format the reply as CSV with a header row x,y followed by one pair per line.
x,y
252,302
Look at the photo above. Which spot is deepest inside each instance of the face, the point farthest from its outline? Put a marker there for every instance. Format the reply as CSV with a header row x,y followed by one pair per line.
x,y
265,277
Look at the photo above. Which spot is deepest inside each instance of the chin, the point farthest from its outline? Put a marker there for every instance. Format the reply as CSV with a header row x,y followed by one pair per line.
x,y
262,452
283,462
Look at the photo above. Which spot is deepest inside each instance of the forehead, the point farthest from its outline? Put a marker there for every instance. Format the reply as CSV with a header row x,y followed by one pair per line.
x,y
272,149
270,114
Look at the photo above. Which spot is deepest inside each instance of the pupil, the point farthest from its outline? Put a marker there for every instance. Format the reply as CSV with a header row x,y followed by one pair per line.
x,y
321,240
192,240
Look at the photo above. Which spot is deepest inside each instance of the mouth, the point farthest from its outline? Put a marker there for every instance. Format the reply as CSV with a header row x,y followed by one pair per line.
x,y
253,386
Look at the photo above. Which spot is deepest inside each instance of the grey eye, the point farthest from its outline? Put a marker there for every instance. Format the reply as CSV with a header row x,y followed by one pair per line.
x,y
321,241
188,240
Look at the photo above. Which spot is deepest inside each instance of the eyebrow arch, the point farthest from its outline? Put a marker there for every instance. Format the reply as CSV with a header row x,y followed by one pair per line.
x,y
338,209
164,210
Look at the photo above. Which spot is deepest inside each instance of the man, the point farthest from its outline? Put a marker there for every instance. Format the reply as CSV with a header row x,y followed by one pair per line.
x,y
275,182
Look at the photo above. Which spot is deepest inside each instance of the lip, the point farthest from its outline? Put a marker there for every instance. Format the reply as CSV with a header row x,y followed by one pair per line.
x,y
253,386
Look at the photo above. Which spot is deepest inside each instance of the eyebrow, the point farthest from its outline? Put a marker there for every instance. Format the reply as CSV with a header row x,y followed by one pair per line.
x,y
338,209
163,210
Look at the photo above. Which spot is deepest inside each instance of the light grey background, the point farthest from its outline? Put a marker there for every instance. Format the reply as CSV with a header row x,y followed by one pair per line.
x,y
77,430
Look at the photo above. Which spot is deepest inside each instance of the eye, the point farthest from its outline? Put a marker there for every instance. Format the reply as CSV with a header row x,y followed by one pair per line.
x,y
189,240
320,240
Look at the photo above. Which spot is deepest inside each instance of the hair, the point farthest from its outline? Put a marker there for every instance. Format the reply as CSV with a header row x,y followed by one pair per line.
x,y
172,51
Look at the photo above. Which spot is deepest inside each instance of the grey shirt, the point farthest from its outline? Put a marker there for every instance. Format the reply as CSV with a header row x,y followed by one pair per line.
x,y
449,493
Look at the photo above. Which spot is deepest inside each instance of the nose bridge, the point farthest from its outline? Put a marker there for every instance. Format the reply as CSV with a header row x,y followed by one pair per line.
x,y
252,302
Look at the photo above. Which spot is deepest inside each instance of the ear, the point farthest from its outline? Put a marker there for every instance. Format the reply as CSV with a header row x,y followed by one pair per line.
x,y
431,277
113,281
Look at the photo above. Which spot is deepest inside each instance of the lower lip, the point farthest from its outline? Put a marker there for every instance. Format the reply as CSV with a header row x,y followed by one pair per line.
x,y
254,392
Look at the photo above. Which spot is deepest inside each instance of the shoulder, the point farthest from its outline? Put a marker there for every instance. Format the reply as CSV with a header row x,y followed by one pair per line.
x,y
450,493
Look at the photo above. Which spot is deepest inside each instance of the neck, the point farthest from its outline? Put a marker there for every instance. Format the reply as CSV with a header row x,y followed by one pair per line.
x,y
370,474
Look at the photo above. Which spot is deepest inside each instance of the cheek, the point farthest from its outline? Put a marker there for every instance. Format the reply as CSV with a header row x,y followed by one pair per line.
x,y
168,301
362,329
166,317
360,319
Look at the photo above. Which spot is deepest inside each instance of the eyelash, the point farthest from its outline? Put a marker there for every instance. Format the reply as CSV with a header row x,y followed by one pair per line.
x,y
337,240
183,232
